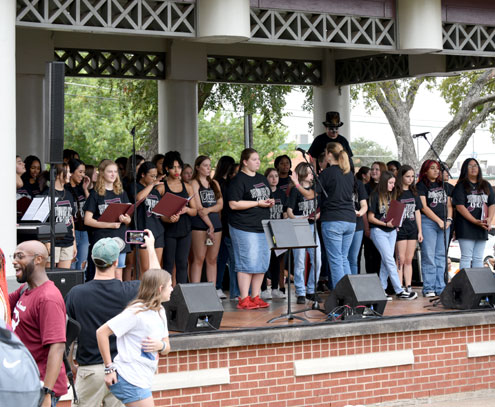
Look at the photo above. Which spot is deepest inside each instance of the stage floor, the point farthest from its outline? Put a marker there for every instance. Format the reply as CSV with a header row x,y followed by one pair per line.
x,y
236,319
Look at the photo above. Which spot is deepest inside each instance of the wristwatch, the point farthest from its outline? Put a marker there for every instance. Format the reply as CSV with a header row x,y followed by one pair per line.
x,y
46,390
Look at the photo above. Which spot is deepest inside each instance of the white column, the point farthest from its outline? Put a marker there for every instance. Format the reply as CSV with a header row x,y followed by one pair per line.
x,y
7,118
178,118
330,97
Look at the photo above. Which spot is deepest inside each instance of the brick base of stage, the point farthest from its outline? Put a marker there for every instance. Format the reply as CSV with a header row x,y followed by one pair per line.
x,y
333,365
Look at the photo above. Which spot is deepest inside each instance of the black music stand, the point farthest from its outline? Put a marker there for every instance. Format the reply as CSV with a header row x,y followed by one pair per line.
x,y
288,234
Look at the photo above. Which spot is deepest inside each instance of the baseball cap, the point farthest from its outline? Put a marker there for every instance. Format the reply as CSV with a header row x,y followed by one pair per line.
x,y
107,250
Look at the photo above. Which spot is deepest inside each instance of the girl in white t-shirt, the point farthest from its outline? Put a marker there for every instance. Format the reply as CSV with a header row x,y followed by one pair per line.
x,y
141,331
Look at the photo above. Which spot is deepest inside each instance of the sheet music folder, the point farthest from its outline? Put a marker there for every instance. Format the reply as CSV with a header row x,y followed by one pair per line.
x,y
283,234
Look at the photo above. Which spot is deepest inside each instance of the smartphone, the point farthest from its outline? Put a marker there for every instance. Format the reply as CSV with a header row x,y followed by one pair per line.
x,y
135,236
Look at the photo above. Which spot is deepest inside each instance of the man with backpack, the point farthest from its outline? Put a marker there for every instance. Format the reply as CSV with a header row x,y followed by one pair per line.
x,y
39,319
92,304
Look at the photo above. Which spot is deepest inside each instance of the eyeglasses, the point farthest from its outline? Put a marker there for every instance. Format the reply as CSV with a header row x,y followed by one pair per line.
x,y
472,166
334,129
20,256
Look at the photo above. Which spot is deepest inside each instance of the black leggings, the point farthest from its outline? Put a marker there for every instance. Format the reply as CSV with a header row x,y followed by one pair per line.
x,y
176,251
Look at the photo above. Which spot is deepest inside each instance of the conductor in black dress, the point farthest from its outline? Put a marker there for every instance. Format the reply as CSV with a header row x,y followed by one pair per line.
x,y
332,125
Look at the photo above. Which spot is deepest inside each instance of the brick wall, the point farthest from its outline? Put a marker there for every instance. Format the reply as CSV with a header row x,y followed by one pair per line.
x,y
263,375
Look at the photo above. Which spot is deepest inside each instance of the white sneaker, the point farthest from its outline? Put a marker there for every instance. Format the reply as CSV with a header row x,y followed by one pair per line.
x,y
221,294
276,293
266,295
429,294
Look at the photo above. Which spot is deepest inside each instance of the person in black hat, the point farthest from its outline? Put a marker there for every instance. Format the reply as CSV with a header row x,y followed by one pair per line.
x,y
332,124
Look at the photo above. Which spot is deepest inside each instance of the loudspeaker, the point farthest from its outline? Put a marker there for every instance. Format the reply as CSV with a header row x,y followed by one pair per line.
x,y
354,290
54,111
65,279
194,307
468,288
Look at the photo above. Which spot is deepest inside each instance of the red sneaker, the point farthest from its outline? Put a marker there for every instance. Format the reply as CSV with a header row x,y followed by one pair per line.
x,y
246,303
259,302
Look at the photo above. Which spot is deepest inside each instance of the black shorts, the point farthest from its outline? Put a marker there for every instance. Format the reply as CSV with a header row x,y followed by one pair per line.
x,y
407,235
205,229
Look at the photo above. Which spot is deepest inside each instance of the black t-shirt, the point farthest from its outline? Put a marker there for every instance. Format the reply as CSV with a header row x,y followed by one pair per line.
x,y
435,196
208,199
320,143
254,188
79,198
283,185
277,210
413,204
358,195
300,205
370,187
92,304
224,215
380,212
64,211
473,201
146,219
339,205
97,205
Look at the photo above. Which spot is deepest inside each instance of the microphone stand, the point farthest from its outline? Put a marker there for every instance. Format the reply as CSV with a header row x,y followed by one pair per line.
x,y
134,215
316,180
443,168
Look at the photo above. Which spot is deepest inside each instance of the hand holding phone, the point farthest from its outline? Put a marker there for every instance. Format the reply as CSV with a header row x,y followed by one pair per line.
x,y
135,236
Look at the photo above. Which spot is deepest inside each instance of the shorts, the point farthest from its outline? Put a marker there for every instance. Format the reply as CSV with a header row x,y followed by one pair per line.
x,y
64,253
201,229
251,251
127,392
407,235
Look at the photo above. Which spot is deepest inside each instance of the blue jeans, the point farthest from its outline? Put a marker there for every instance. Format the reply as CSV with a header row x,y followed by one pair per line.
x,y
354,251
471,253
82,243
299,267
432,256
337,236
385,244
226,256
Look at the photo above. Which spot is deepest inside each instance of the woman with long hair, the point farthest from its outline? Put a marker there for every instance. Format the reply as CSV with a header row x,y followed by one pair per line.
x,y
364,174
65,248
474,201
224,172
31,177
410,232
250,199
108,189
206,225
150,188
78,187
384,234
178,226
299,206
142,332
437,204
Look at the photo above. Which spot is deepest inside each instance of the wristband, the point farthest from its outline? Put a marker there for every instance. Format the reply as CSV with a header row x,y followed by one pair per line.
x,y
449,219
164,347
46,390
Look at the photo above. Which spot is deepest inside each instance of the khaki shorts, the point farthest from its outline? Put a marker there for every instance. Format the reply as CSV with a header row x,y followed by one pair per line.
x,y
91,389
64,253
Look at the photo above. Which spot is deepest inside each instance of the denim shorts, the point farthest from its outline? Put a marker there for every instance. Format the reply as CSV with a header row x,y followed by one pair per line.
x,y
251,252
127,392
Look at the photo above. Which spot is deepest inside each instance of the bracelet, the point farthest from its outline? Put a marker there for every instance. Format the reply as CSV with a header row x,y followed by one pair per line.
x,y
46,390
110,369
164,347
449,219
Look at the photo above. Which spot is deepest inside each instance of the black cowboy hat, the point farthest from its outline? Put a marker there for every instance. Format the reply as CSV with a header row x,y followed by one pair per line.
x,y
333,120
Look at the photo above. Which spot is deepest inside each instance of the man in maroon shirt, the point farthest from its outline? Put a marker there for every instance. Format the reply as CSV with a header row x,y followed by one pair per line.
x,y
38,318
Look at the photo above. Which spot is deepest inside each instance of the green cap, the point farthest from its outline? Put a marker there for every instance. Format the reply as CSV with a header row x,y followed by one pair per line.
x,y
106,251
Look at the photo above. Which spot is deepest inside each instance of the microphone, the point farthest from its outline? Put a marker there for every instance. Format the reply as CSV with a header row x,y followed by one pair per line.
x,y
420,134
301,150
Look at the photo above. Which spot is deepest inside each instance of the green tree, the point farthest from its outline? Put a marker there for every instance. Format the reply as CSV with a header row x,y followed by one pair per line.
x,y
367,151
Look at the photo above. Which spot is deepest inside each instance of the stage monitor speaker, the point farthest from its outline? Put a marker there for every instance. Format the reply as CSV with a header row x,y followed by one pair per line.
x,y
355,290
194,307
470,289
65,279
54,111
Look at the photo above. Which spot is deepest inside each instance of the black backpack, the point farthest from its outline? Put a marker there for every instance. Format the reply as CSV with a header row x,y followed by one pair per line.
x,y
20,383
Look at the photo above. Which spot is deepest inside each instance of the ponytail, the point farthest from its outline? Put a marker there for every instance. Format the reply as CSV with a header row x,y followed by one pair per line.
x,y
339,155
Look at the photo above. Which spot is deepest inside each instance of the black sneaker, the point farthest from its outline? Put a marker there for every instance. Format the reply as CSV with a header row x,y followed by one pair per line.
x,y
301,299
313,297
404,295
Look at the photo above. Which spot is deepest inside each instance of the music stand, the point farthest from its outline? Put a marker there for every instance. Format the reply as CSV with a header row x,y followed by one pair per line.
x,y
288,234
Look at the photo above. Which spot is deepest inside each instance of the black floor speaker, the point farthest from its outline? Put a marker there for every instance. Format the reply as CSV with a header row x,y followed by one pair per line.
x,y
194,307
65,279
470,289
355,290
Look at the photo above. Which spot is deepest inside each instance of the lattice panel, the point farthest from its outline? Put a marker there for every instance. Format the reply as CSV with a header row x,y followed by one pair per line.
x,y
456,63
468,39
158,17
263,70
371,69
276,26
112,64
